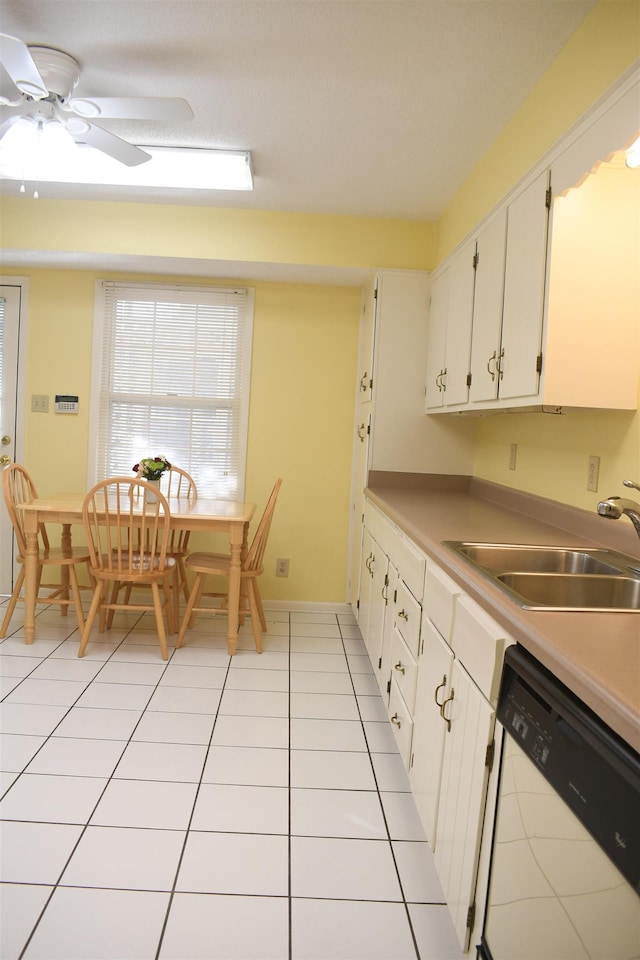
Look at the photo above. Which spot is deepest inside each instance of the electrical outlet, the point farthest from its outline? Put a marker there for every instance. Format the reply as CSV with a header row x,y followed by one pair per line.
x,y
513,449
282,567
39,403
593,471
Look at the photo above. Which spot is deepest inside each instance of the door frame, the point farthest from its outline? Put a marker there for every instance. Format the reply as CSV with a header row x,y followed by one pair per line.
x,y
6,582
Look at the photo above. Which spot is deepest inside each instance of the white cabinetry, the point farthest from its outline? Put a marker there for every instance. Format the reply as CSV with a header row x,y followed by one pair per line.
x,y
557,282
524,278
449,339
459,670
391,431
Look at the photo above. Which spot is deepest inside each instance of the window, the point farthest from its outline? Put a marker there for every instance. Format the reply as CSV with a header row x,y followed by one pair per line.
x,y
171,369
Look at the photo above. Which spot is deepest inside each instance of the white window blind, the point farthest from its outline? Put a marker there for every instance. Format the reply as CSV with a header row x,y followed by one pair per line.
x,y
173,366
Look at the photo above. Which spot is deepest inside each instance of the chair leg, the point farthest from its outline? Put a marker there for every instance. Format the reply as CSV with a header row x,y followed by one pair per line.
x,y
182,570
194,598
258,599
12,603
255,616
77,601
157,605
93,609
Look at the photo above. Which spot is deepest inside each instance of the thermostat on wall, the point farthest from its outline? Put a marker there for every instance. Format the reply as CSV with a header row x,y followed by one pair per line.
x,y
66,403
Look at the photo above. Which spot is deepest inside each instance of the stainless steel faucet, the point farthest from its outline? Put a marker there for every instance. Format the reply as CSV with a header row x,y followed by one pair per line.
x,y
614,507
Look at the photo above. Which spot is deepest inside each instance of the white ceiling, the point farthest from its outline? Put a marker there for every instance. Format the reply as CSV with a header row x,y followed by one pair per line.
x,y
359,107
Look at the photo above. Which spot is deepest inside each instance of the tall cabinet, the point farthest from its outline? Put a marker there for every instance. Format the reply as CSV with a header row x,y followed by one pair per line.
x,y
391,431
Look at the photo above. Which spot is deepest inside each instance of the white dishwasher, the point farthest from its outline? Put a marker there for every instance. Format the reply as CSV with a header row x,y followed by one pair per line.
x,y
565,866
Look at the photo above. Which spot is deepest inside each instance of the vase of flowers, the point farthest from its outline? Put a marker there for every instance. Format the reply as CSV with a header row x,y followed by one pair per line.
x,y
151,469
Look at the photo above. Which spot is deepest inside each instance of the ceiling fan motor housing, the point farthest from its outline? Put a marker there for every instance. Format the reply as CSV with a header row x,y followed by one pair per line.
x,y
59,71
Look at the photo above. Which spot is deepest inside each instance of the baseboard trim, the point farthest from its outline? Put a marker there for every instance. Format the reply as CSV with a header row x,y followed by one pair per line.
x,y
307,606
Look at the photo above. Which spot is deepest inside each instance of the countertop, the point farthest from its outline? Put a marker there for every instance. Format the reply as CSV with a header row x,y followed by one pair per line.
x,y
597,655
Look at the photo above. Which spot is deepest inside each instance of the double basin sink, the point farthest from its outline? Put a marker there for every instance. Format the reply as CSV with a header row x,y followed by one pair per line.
x,y
557,578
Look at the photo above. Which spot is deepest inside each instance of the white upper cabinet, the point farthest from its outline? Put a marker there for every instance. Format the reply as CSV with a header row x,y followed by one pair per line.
x,y
449,339
487,309
520,362
556,300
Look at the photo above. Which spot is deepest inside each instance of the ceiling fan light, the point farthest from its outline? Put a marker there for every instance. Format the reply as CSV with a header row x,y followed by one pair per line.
x,y
169,167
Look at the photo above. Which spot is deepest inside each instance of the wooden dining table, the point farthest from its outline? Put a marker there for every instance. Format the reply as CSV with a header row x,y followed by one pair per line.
x,y
227,516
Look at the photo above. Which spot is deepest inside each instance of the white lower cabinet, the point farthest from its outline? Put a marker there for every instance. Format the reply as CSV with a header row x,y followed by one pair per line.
x,y
432,690
466,767
438,659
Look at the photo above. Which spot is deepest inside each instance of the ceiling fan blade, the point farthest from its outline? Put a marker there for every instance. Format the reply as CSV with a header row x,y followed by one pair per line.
x,y
19,64
108,143
131,108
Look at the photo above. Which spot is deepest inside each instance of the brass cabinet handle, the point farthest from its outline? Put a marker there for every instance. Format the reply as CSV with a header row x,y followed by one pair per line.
x,y
399,667
6,440
447,720
396,720
402,615
499,369
4,460
364,381
440,687
362,432
492,359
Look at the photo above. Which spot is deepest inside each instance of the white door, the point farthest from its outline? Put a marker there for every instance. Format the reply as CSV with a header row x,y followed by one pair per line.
x,y
12,334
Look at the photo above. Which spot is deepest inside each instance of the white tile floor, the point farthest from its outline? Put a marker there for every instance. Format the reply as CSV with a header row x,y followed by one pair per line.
x,y
208,807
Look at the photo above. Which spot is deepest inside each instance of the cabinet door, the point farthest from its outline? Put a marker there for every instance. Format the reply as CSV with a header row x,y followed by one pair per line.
x,y
525,267
377,604
367,337
487,309
463,792
459,316
401,721
383,667
364,592
436,339
429,729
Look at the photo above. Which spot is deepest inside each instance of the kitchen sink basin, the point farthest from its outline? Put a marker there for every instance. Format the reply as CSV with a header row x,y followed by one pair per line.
x,y
574,591
534,559
557,578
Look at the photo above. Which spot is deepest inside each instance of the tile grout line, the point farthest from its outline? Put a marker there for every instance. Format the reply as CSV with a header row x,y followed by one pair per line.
x,y
384,817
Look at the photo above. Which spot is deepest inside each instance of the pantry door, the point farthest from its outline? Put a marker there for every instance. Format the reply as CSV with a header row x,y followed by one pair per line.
x,y
13,302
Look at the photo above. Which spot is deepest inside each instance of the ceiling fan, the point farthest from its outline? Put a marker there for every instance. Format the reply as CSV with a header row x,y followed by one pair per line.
x,y
45,79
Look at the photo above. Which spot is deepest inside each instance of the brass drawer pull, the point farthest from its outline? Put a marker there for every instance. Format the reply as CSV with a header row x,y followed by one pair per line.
x,y
399,667
394,719
447,720
440,687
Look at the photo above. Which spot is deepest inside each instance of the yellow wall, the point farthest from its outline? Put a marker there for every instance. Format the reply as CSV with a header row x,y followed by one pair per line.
x,y
605,46
553,451
300,420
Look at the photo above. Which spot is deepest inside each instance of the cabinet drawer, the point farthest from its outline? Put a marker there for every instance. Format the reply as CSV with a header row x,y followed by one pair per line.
x,y
407,618
411,566
404,670
401,722
439,599
382,530
479,643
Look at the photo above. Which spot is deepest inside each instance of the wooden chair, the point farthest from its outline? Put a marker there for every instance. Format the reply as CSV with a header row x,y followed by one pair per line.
x,y
176,482
18,487
217,564
119,514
